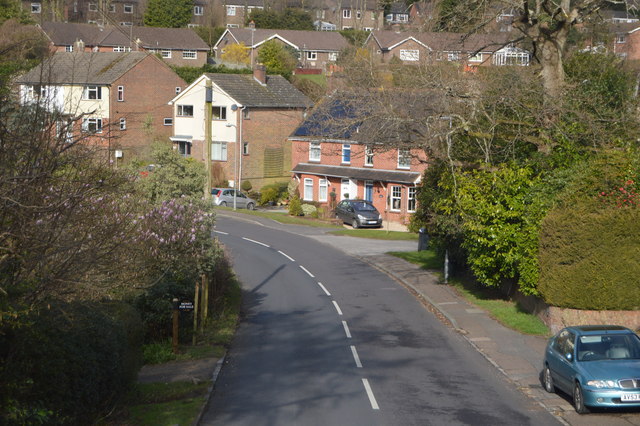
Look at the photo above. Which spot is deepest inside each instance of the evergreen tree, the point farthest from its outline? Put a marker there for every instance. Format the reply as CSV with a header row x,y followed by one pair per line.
x,y
168,13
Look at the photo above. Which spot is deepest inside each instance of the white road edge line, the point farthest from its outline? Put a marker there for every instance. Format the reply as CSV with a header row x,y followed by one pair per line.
x,y
220,232
372,398
356,358
346,329
254,241
323,288
286,255
337,307
305,269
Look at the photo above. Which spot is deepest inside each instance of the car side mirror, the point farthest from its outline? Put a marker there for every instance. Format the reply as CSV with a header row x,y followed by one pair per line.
x,y
569,357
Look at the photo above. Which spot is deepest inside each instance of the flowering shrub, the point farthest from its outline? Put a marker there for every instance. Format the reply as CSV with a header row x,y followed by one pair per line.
x,y
623,196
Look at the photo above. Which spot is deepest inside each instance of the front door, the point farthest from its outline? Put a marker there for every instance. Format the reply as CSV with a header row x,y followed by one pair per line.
x,y
368,190
344,191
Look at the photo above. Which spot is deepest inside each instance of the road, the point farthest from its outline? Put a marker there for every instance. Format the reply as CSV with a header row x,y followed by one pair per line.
x,y
326,339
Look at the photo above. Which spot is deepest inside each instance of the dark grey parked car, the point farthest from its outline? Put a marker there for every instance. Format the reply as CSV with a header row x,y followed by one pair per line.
x,y
358,213
224,197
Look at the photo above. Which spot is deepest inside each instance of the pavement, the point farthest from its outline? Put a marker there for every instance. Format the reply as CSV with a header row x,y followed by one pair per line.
x,y
517,356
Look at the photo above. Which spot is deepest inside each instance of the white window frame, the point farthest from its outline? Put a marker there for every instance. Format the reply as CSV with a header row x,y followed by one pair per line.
x,y
183,110
404,159
123,123
198,10
410,55
323,190
189,54
219,151
68,48
231,11
453,56
308,189
315,151
245,148
112,8
476,58
128,8
184,148
168,121
178,90
36,7
218,112
121,49
346,13
358,14
89,122
126,24
166,54
621,38
411,199
93,7
333,56
368,156
120,97
312,55
395,203
88,90
346,152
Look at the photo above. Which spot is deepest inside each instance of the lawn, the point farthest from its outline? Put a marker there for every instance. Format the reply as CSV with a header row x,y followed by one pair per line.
x,y
508,312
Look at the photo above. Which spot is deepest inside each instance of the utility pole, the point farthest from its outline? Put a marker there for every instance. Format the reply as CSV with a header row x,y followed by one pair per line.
x,y
207,136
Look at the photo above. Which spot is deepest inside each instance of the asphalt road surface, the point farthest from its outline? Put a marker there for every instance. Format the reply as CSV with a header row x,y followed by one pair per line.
x,y
326,339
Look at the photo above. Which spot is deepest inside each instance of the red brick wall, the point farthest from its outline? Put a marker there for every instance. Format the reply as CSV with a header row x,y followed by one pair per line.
x,y
148,87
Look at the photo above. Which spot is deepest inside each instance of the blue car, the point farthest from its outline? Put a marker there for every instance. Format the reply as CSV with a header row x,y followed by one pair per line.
x,y
599,365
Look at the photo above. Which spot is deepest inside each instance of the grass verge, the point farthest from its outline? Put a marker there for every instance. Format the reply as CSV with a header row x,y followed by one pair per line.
x,y
507,312
178,403
283,217
376,234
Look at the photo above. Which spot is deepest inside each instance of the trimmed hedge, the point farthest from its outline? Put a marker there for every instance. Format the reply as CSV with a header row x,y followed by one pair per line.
x,y
589,259
68,364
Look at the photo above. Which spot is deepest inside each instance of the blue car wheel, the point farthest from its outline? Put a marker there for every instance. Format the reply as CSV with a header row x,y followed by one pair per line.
x,y
578,400
548,380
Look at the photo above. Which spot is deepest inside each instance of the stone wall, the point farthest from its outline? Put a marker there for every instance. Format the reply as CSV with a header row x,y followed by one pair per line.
x,y
557,318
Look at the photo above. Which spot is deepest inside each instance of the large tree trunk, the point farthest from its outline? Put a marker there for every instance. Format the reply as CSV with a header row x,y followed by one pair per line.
x,y
551,47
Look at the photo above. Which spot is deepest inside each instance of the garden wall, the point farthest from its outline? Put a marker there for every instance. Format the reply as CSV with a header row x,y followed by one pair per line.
x,y
557,318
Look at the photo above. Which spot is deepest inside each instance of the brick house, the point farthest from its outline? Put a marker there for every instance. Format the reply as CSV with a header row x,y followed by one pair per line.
x,y
469,50
331,165
109,97
257,110
366,15
236,12
176,46
317,49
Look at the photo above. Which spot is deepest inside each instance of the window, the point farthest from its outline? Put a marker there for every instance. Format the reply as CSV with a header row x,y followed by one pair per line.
x,y
123,124
368,29
64,130
245,114
452,56
68,48
168,121
308,189
620,38
476,58
368,156
120,93
36,8
112,8
346,13
403,17
184,148
404,159
121,49
358,15
312,56
333,56
409,55
231,11
178,90
92,92
189,54
126,24
185,111
219,151
245,148
128,8
314,151
323,186
396,198
219,112
165,54
93,7
411,199
92,125
233,26
198,10
346,153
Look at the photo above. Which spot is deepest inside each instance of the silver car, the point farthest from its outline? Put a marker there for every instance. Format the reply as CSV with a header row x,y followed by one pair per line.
x,y
225,196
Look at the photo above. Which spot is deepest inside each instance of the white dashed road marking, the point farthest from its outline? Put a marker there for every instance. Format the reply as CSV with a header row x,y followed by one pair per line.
x,y
337,307
255,242
372,398
307,271
346,329
323,288
286,255
356,358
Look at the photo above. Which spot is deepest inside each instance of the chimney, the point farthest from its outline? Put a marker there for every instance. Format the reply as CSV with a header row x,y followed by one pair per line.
x,y
78,45
260,74
252,25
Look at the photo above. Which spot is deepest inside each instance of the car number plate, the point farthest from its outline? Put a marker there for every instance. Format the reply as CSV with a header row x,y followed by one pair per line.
x,y
373,221
630,397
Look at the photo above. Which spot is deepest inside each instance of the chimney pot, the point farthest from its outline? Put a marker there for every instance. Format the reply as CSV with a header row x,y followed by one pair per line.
x,y
260,74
